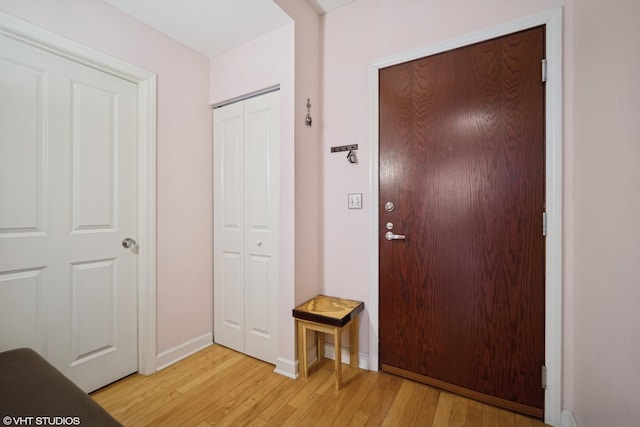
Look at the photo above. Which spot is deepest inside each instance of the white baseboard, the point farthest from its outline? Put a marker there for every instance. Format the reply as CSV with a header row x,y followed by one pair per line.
x,y
329,353
568,420
363,358
286,367
171,356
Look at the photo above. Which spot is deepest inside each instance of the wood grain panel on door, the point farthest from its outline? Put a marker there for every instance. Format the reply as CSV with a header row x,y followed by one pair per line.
x,y
462,158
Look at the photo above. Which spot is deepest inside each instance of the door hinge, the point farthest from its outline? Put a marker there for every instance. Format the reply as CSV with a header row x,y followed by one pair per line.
x,y
544,71
544,377
544,224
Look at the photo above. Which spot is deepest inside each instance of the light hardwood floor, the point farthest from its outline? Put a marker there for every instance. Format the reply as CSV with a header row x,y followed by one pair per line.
x,y
218,386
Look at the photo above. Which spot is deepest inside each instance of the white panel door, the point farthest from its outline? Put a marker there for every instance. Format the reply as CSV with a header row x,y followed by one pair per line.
x,y
246,225
228,242
68,180
261,213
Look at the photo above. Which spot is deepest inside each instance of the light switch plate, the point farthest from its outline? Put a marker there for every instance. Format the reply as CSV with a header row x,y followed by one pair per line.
x,y
355,201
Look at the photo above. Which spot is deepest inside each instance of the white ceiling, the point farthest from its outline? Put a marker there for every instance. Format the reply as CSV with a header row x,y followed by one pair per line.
x,y
212,27
324,6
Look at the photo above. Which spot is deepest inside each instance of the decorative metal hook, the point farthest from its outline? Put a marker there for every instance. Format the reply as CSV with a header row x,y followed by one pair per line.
x,y
351,157
308,120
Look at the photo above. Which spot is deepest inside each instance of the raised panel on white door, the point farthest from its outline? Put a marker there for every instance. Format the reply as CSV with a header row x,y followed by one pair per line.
x,y
93,310
22,148
228,227
257,295
231,322
22,314
233,295
262,142
94,149
261,330
257,160
231,164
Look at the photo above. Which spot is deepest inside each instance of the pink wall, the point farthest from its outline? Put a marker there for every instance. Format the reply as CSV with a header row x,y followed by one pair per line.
x,y
308,159
606,208
184,272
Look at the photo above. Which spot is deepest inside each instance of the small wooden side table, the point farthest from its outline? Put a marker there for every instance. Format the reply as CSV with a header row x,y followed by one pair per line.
x,y
328,315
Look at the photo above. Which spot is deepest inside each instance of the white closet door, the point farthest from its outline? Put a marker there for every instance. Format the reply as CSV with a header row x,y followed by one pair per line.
x,y
261,142
246,225
68,179
228,219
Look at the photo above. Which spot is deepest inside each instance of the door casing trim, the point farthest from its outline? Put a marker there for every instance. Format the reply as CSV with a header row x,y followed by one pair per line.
x,y
554,170
146,82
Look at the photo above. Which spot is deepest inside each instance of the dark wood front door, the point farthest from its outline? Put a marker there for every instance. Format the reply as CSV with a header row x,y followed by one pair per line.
x,y
462,159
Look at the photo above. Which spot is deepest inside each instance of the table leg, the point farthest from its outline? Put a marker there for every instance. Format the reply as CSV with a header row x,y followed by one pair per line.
x,y
337,341
353,343
320,346
302,349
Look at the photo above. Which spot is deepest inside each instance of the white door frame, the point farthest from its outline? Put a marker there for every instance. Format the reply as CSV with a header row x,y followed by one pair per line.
x,y
146,82
554,258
